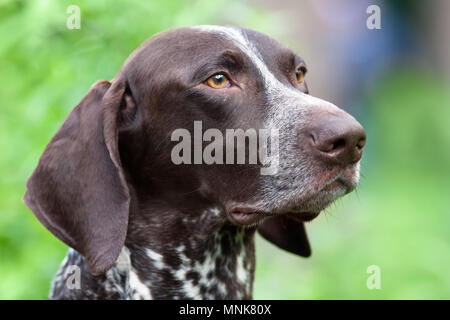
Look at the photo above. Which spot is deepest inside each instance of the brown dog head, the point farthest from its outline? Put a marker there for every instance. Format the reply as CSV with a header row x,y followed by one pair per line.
x,y
118,153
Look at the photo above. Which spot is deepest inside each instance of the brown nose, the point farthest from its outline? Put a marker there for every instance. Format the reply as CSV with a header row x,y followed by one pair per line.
x,y
339,140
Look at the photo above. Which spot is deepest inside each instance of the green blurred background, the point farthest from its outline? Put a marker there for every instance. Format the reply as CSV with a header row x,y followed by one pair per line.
x,y
394,80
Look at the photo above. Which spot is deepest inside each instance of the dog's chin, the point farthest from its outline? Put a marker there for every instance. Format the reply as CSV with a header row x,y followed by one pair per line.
x,y
302,210
321,199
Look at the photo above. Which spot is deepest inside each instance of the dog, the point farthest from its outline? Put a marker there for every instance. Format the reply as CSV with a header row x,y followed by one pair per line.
x,y
140,226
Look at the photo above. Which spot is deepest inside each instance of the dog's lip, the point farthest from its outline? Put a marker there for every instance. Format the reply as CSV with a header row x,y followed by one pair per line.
x,y
250,216
336,179
247,215
335,184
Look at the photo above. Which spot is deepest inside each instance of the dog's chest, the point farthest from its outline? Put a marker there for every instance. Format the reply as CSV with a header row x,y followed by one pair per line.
x,y
220,267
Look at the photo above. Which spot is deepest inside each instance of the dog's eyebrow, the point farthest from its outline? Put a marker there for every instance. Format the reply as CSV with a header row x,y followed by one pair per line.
x,y
289,61
298,61
227,60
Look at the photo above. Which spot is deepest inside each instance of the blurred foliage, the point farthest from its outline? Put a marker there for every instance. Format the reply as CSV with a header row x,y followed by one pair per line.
x,y
399,220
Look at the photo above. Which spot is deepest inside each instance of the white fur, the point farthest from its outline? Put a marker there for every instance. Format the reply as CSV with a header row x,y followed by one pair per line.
x,y
138,289
156,258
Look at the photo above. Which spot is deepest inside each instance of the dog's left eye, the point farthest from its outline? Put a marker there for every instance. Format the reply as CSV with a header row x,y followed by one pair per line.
x,y
300,74
218,81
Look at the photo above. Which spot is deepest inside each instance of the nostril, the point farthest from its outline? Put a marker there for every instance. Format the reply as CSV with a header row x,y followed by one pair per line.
x,y
361,143
314,138
331,146
338,144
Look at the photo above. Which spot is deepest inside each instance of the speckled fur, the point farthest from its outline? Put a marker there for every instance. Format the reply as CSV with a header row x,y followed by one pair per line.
x,y
221,267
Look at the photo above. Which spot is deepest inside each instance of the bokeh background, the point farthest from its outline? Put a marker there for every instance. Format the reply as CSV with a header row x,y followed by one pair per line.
x,y
395,81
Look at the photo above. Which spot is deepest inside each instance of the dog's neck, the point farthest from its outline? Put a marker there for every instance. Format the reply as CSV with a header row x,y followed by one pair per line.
x,y
218,266
192,263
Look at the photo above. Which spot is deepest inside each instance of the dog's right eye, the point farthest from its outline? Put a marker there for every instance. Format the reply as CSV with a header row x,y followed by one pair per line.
x,y
300,74
218,81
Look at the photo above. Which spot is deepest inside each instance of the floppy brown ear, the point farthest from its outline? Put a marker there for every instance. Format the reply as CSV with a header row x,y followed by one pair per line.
x,y
78,190
286,233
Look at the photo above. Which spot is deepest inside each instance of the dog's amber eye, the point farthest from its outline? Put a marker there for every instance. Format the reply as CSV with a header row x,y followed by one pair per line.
x,y
300,75
218,81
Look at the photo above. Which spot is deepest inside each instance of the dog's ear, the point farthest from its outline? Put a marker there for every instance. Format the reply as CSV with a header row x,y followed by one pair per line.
x,y
78,190
286,233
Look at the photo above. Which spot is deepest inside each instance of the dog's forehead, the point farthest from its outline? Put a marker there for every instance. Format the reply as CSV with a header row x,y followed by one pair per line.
x,y
189,45
243,37
250,42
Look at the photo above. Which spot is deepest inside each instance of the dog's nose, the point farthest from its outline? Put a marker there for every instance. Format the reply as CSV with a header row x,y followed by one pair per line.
x,y
339,140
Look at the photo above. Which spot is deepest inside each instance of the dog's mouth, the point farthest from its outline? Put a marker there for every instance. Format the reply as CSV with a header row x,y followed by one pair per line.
x,y
247,217
302,211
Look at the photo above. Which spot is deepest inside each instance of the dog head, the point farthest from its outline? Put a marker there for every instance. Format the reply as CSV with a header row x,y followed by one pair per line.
x,y
126,143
